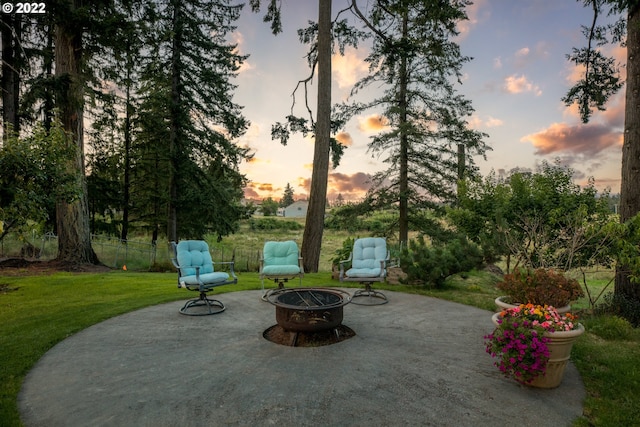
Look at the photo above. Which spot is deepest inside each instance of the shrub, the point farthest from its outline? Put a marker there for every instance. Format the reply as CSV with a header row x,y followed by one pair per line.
x,y
433,264
623,306
541,287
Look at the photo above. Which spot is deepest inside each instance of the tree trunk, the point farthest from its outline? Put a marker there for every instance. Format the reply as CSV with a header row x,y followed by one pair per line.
x,y
314,227
127,149
72,218
174,146
630,185
10,86
404,143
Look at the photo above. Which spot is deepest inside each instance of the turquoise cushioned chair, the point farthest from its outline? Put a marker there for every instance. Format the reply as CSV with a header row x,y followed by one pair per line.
x,y
196,272
280,261
369,260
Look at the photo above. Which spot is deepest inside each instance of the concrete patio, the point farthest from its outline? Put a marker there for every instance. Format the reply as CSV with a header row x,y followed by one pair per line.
x,y
415,361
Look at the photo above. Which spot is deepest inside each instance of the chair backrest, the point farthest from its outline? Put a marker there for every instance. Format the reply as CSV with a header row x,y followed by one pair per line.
x,y
368,252
194,253
280,253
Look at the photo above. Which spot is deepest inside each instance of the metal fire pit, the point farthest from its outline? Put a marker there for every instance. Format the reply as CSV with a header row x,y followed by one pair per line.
x,y
309,309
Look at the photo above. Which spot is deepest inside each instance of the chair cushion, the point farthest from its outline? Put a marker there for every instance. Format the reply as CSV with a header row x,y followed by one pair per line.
x,y
367,254
364,272
274,270
210,279
194,253
280,257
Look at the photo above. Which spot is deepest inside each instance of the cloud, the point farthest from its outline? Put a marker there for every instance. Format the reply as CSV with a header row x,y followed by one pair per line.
x,y
587,140
372,123
345,139
497,63
476,12
519,84
257,190
477,122
351,187
348,68
237,38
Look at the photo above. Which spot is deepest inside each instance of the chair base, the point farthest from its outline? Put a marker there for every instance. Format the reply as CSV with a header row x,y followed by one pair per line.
x,y
368,296
280,283
202,306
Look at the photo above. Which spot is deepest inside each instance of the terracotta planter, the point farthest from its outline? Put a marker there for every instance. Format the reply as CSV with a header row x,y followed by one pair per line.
x,y
501,305
560,345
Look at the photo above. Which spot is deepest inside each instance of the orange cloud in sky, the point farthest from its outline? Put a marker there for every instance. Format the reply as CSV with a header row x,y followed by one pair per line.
x,y
345,139
351,187
372,123
589,139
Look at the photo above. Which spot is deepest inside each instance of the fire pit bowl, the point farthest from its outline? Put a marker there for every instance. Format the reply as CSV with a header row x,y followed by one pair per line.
x,y
309,309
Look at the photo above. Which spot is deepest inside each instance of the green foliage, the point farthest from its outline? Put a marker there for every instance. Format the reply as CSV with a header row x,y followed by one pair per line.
x,y
540,219
342,253
432,264
33,177
269,207
601,78
540,287
360,217
622,305
610,327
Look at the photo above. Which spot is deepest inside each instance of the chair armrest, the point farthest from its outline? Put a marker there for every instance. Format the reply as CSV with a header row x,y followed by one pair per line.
x,y
342,263
231,265
301,265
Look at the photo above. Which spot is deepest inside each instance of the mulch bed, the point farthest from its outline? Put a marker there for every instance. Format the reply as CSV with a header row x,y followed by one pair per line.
x,y
22,266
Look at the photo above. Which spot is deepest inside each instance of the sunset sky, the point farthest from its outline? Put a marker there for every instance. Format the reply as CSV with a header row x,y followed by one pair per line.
x,y
516,80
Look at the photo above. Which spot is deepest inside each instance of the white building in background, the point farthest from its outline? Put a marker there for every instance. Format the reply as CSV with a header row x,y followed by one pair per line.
x,y
296,209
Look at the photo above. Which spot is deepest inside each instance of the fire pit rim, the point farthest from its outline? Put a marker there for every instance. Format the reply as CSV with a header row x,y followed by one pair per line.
x,y
345,298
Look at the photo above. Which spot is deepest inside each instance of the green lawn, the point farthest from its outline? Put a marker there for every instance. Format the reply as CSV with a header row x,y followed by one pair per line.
x,y
36,312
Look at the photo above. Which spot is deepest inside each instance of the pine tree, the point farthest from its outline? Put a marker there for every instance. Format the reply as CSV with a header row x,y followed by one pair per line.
x,y
416,62
188,119
287,197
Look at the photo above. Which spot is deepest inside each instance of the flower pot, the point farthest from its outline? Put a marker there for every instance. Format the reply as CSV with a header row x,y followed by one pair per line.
x,y
502,305
560,344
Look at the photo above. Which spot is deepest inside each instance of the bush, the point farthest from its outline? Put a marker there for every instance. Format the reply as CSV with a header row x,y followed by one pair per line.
x,y
540,287
433,264
623,306
610,327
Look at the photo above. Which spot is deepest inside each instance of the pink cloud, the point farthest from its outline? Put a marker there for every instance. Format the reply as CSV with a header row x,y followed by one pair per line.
x,y
588,140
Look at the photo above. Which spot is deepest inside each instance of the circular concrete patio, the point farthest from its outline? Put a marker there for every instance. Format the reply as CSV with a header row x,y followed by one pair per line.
x,y
415,361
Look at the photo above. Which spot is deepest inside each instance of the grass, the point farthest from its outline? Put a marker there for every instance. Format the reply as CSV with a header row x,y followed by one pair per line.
x,y
36,312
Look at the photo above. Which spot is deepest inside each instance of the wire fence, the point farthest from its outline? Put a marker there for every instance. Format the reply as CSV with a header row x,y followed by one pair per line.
x,y
113,252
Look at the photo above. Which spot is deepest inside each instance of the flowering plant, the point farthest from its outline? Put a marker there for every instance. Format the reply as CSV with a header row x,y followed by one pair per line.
x,y
541,286
519,341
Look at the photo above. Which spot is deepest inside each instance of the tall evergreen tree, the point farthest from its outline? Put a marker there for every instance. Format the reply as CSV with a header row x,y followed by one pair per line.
x,y
10,40
72,218
287,197
187,106
416,62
